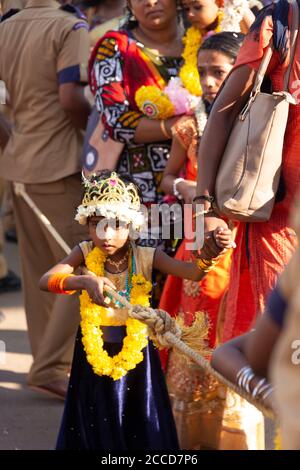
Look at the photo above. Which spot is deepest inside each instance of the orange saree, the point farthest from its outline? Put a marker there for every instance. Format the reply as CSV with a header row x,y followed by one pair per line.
x,y
263,249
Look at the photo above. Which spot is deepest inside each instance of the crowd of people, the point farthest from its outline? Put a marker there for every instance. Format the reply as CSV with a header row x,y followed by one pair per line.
x,y
134,101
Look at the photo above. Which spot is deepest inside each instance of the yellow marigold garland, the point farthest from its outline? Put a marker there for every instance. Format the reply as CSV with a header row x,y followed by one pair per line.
x,y
154,102
94,316
192,41
189,72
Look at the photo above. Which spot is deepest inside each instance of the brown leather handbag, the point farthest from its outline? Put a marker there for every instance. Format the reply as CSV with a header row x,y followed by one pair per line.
x,y
249,173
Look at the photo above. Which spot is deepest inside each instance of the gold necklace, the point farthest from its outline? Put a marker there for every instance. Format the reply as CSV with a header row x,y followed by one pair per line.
x,y
117,264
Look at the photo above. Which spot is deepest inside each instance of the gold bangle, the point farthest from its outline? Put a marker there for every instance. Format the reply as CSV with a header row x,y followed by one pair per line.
x,y
203,267
206,265
164,129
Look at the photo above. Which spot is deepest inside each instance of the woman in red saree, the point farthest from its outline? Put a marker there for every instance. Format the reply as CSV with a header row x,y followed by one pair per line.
x,y
263,249
145,52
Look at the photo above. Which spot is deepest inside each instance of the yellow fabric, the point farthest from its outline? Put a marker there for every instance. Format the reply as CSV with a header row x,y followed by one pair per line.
x,y
207,415
144,260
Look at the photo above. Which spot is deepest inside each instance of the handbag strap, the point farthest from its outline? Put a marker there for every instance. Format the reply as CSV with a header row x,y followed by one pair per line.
x,y
293,42
269,52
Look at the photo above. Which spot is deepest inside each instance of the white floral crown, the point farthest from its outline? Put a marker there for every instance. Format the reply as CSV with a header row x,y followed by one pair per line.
x,y
110,198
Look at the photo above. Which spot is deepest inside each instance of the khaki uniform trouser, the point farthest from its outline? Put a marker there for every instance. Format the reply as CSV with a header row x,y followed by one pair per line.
x,y
7,209
6,218
52,320
3,264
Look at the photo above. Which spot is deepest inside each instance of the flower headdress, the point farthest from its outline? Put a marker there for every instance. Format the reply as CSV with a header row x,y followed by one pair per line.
x,y
111,198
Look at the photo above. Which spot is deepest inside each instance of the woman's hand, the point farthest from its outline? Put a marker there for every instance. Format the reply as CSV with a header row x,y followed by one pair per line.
x,y
188,190
95,286
223,238
213,222
217,242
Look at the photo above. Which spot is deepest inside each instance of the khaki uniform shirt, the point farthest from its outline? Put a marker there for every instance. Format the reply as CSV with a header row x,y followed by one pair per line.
x,y
6,5
42,47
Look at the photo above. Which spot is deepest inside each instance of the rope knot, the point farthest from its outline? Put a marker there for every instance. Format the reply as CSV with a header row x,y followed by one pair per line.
x,y
159,323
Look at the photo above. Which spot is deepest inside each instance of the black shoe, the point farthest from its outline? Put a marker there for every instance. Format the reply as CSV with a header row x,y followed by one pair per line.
x,y
11,236
10,283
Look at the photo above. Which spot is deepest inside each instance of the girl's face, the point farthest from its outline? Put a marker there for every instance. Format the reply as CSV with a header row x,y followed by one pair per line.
x,y
201,13
153,14
109,235
213,67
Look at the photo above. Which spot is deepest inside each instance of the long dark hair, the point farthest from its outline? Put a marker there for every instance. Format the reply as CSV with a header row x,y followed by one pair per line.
x,y
227,42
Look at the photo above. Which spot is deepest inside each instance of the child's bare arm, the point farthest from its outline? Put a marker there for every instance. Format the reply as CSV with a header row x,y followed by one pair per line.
x,y
167,265
66,266
190,270
92,284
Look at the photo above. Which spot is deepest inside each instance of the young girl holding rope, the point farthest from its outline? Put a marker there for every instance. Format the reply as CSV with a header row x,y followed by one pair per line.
x,y
117,398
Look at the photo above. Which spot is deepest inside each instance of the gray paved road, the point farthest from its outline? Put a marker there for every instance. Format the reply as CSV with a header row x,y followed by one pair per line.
x,y
29,420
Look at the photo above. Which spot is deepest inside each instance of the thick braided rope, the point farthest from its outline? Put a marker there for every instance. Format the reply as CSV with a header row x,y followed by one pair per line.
x,y
168,333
